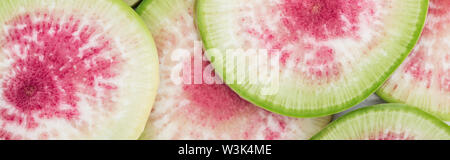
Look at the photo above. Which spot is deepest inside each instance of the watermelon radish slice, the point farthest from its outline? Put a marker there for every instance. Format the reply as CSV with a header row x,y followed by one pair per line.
x,y
74,69
202,110
423,80
386,122
132,2
332,54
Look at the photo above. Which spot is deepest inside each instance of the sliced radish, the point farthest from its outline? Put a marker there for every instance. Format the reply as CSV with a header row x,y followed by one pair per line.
x,y
386,122
131,2
423,80
74,69
204,110
332,54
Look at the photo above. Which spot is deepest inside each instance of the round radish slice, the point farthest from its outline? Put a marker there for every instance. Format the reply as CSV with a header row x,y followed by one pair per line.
x,y
197,109
423,80
74,69
131,2
324,56
386,122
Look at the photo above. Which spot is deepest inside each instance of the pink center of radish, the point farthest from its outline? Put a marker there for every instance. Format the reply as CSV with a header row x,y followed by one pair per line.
x,y
216,100
322,65
416,68
52,63
428,63
216,104
220,104
438,7
300,32
322,19
5,135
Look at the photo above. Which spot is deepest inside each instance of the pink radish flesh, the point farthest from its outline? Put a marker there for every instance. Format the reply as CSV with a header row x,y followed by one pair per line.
x,y
208,111
305,27
51,63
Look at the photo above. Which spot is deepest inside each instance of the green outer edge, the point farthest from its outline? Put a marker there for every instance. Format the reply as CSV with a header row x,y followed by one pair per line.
x,y
388,98
140,10
141,24
139,125
385,107
298,113
141,7
124,6
134,4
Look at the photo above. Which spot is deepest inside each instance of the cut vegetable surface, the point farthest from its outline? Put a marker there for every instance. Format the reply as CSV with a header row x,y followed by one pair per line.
x,y
202,110
386,122
331,54
423,80
132,2
74,69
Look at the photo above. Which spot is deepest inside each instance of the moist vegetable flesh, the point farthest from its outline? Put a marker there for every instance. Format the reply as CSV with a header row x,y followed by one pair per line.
x,y
131,2
204,110
63,68
386,122
331,54
423,80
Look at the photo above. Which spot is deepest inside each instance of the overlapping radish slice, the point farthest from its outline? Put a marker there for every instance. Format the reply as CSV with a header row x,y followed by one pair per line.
x,y
423,80
131,2
74,69
386,122
202,110
332,54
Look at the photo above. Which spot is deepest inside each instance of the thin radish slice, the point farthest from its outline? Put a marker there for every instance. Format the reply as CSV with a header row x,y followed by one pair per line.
x,y
386,122
74,69
132,2
202,110
325,55
423,80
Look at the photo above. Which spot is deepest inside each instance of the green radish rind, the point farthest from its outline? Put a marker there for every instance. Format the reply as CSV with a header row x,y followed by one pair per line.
x,y
261,102
391,99
388,98
132,2
141,7
138,128
417,96
128,126
141,24
353,116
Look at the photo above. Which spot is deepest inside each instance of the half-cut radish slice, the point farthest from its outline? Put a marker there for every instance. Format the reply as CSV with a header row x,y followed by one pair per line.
x,y
423,80
332,54
74,69
386,122
200,110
